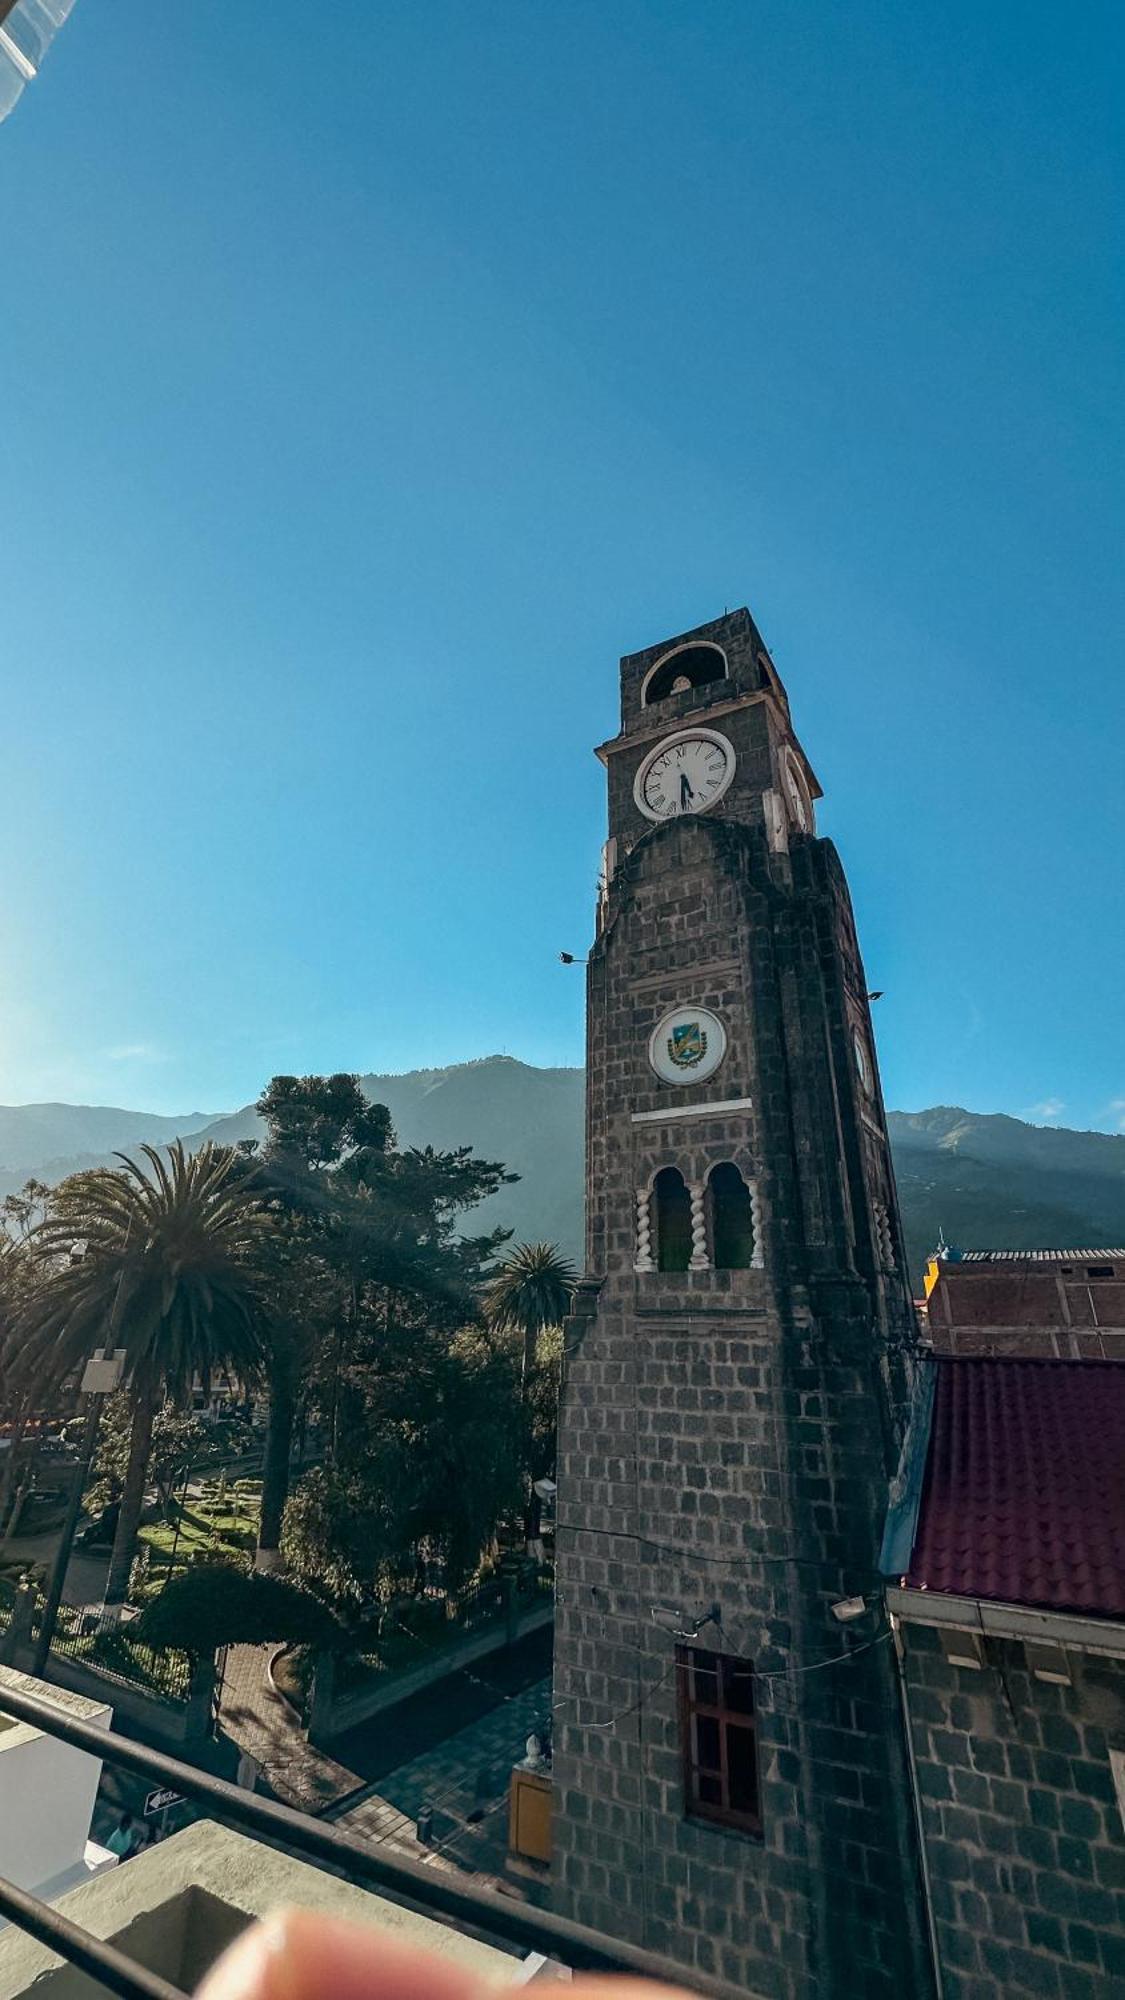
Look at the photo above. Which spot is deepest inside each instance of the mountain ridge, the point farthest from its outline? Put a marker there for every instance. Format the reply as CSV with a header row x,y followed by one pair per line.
x,y
986,1179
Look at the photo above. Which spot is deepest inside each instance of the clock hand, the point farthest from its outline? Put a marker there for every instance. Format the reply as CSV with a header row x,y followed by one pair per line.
x,y
686,792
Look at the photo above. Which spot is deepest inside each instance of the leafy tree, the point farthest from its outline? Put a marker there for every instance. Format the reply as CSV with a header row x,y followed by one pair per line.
x,y
341,1536
312,1124
363,1242
437,1470
177,1438
315,1121
166,1271
21,1400
215,1605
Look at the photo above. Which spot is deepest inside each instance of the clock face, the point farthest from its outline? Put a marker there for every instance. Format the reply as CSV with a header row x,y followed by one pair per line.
x,y
684,774
795,792
863,1067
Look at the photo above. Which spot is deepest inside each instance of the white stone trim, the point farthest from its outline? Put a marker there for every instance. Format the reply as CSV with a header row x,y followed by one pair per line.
x,y
691,1110
883,1238
777,824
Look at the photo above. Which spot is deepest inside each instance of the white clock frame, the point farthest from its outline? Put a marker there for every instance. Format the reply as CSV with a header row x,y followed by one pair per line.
x,y
696,735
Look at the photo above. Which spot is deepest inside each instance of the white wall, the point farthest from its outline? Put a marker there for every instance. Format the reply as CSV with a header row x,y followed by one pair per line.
x,y
47,1792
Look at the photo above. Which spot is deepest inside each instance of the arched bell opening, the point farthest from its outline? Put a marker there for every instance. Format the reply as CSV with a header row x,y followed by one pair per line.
x,y
688,667
731,1205
671,1214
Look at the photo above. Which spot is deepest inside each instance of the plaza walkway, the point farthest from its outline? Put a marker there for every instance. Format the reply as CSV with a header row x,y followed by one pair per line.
x,y
263,1725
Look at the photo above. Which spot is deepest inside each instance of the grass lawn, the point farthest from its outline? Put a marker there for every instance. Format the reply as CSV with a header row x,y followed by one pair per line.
x,y
205,1528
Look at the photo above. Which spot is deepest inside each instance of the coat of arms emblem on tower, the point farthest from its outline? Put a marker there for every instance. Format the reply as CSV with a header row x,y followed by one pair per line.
x,y
687,1044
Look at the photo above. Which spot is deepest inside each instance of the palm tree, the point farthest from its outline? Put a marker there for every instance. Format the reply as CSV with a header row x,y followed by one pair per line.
x,y
167,1271
532,1290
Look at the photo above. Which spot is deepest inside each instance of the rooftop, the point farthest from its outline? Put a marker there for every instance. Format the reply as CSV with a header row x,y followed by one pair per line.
x,y
1023,1490
177,1906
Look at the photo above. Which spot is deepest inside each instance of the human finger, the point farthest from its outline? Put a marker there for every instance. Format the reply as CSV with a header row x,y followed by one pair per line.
x,y
298,1955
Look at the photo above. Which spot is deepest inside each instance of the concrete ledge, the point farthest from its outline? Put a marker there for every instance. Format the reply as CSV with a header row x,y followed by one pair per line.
x,y
178,1905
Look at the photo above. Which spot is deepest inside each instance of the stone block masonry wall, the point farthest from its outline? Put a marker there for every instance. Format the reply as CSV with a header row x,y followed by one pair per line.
x,y
700,1438
726,1435
1024,1836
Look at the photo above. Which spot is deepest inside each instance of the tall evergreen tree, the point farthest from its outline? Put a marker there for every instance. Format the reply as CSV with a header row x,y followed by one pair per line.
x,y
363,1241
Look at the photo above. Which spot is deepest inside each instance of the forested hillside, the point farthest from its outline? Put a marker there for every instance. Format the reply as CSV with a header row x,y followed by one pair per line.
x,y
987,1180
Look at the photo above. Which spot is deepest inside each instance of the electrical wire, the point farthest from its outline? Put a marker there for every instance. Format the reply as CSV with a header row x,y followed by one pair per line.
x,y
814,1666
647,1695
737,1673
719,1562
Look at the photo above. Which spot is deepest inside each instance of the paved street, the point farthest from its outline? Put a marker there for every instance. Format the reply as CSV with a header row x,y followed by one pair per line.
x,y
465,1780
85,1575
380,1776
413,1727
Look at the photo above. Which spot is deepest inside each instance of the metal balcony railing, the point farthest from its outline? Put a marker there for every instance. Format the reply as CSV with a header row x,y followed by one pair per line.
x,y
487,1915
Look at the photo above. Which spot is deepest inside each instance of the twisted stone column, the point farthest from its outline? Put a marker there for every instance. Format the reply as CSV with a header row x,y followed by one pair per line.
x,y
643,1259
700,1261
757,1261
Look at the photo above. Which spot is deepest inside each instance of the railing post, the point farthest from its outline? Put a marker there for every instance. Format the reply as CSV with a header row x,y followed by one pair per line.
x,y
201,1694
19,1629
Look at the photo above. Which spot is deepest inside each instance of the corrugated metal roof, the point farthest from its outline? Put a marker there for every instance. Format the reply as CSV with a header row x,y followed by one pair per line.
x,y
1034,1256
1023,1498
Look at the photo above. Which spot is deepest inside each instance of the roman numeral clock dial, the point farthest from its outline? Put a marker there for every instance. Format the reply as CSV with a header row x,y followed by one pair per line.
x,y
686,773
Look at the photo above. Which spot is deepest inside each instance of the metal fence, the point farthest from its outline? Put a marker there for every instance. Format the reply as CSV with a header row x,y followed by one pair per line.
x,y
91,1639
111,1649
518,1588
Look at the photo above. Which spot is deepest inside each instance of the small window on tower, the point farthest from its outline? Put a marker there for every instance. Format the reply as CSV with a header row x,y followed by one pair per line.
x,y
672,1217
732,1219
1099,1270
719,1738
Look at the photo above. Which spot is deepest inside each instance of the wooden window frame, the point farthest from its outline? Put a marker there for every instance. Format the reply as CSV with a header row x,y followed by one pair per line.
x,y
727,1719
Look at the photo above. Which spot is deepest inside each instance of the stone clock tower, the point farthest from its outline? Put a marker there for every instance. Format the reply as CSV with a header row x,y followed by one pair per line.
x,y
730,1766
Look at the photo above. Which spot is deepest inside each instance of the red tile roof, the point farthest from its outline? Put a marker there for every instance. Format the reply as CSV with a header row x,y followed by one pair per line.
x,y
1023,1499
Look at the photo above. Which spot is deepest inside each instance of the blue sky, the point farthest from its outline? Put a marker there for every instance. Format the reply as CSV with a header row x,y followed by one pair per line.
x,y
377,374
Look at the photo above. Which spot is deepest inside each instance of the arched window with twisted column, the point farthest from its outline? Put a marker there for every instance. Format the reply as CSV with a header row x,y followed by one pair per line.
x,y
671,1214
734,1235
